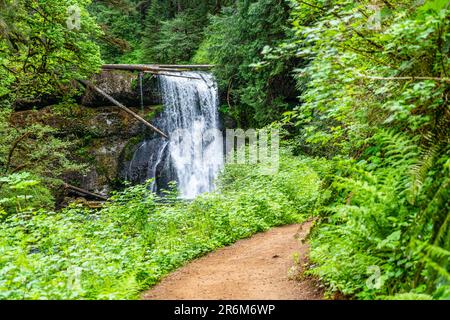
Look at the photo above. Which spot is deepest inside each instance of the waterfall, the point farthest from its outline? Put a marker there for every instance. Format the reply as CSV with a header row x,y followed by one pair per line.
x,y
193,156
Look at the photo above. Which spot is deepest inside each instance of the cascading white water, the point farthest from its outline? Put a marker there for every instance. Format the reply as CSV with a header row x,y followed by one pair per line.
x,y
192,122
193,156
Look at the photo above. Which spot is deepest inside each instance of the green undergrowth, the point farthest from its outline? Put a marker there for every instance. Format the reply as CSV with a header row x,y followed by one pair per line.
x,y
126,247
378,235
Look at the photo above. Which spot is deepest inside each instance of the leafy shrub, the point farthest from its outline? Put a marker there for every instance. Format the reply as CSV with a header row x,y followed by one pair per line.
x,y
127,246
22,192
375,102
378,222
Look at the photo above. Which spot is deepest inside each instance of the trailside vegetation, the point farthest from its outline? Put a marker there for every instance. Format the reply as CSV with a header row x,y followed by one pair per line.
x,y
360,90
376,103
136,238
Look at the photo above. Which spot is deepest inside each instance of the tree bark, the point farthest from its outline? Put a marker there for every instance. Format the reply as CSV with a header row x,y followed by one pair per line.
x,y
121,106
155,68
406,78
79,190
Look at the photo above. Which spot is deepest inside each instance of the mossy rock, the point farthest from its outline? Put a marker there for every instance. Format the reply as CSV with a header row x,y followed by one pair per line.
x,y
130,147
124,87
104,138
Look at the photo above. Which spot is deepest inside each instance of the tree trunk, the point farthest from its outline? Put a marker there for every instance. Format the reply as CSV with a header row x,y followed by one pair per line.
x,y
121,106
79,190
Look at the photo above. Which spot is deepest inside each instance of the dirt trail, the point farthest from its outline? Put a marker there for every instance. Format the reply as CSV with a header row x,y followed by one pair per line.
x,y
260,267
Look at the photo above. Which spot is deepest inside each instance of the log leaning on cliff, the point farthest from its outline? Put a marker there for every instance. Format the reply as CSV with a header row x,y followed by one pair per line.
x,y
121,106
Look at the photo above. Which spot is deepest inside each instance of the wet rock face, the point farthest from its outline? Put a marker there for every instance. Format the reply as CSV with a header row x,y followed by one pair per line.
x,y
102,174
123,86
105,137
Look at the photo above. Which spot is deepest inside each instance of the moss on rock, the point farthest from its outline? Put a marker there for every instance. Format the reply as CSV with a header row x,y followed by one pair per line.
x,y
104,137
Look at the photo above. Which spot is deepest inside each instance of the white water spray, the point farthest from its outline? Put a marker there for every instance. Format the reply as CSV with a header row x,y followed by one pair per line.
x,y
193,156
192,121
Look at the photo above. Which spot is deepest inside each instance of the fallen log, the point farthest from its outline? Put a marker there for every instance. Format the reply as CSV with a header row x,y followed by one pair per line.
x,y
186,66
173,75
406,78
121,106
158,72
140,67
154,67
85,192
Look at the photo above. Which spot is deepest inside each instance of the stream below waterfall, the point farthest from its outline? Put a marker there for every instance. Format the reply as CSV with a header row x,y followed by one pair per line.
x,y
193,156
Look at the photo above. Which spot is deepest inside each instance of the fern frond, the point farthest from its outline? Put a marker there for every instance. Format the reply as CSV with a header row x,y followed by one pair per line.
x,y
398,147
433,211
436,252
439,269
420,170
443,231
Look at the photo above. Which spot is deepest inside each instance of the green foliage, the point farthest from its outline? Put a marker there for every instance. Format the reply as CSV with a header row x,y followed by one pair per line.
x,y
136,239
294,181
33,159
409,296
364,228
21,192
373,84
376,96
34,148
120,23
235,42
39,53
376,219
234,35
340,102
152,31
178,39
174,33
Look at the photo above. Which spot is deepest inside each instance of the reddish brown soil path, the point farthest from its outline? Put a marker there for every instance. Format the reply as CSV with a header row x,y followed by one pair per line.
x,y
261,267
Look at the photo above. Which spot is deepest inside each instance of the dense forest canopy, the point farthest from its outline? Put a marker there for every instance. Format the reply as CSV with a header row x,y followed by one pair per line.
x,y
39,54
230,34
359,89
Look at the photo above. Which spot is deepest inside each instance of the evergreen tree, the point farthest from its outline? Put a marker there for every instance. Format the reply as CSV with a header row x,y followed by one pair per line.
x,y
153,22
256,93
